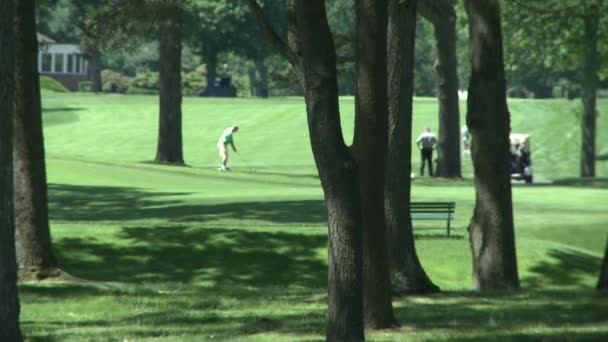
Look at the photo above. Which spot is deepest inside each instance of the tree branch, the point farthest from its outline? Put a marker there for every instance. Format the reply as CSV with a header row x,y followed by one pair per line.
x,y
435,10
274,38
547,10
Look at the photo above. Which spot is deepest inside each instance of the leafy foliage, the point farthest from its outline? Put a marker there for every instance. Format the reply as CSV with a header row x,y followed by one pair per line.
x,y
114,82
546,41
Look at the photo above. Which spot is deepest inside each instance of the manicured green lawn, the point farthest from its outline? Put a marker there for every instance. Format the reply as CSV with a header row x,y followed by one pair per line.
x,y
191,254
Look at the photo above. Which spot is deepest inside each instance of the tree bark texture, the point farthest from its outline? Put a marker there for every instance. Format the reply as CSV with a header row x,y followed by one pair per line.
x,y
491,230
35,255
337,171
169,150
406,272
589,84
293,39
9,300
369,146
448,147
602,283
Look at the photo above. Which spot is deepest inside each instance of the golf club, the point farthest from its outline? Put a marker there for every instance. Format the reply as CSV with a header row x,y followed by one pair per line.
x,y
245,162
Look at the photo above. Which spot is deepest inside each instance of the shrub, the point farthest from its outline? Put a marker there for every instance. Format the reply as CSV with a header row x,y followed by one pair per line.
x,y
85,86
145,80
114,82
51,84
566,88
195,82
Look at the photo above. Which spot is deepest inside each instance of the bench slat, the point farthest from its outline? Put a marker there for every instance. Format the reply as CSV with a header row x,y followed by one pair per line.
x,y
433,211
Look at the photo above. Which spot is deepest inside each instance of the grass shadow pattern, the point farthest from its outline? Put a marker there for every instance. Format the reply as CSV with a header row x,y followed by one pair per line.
x,y
214,256
95,203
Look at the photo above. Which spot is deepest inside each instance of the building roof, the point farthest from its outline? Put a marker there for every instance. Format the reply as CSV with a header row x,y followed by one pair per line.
x,y
44,39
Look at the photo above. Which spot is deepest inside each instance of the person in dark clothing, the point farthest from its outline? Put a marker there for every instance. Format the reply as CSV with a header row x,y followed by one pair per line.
x,y
426,142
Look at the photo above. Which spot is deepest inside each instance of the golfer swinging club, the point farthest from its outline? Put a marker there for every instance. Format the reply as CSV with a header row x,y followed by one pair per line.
x,y
225,139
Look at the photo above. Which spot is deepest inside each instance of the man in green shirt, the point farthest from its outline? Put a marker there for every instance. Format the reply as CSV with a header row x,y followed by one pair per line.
x,y
225,139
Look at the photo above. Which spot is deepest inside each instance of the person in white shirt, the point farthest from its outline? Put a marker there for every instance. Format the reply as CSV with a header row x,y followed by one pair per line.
x,y
466,139
226,139
426,142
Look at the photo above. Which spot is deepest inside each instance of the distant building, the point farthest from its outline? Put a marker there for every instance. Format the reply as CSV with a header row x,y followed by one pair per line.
x,y
63,62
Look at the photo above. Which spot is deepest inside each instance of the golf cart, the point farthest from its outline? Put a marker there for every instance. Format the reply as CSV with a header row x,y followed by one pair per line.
x,y
521,164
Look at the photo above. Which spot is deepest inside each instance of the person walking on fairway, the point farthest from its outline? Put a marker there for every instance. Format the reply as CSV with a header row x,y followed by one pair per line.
x,y
222,144
426,142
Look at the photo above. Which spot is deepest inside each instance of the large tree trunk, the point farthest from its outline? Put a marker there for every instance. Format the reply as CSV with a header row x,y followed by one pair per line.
x,y
337,171
407,274
589,85
491,229
369,146
95,67
169,149
35,255
9,300
448,147
602,283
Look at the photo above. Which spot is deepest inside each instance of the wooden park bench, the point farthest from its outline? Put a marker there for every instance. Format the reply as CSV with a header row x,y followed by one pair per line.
x,y
440,211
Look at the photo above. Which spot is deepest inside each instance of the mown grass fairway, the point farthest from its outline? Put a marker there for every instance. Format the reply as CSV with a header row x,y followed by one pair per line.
x,y
191,254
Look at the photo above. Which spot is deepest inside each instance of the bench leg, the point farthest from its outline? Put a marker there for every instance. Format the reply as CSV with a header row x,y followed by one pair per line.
x,y
448,227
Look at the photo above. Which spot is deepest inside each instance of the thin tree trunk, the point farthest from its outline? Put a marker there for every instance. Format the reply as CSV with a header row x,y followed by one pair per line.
x,y
337,172
95,67
210,56
370,144
253,80
407,274
262,86
448,147
169,150
9,299
491,229
589,85
602,283
35,256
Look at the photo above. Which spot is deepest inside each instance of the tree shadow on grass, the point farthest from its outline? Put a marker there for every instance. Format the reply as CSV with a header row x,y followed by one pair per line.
x,y
455,316
211,255
589,182
61,115
505,314
102,203
563,268
178,323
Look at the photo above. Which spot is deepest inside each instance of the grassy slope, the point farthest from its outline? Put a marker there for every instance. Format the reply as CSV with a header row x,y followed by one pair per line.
x,y
194,254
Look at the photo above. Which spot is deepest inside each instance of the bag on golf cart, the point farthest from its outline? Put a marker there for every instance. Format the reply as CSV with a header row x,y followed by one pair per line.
x,y
521,162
